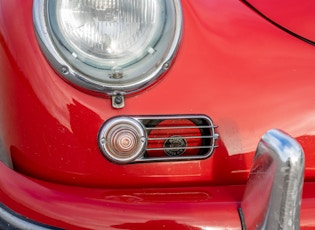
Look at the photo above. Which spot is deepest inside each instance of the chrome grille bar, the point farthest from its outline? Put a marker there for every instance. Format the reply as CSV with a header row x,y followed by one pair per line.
x,y
180,127
187,137
192,147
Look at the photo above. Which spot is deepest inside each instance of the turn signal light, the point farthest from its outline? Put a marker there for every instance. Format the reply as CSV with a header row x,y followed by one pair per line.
x,y
122,140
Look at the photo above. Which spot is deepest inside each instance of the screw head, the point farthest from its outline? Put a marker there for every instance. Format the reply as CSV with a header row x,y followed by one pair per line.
x,y
118,100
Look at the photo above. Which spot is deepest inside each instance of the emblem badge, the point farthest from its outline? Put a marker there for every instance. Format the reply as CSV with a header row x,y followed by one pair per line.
x,y
175,146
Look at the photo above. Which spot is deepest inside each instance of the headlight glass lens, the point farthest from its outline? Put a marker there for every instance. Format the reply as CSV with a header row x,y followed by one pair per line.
x,y
106,33
109,45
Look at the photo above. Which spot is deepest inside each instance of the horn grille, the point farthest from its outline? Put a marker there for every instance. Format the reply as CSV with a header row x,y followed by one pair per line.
x,y
178,137
157,138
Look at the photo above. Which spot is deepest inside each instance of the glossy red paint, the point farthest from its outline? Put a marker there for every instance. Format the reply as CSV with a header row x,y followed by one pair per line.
x,y
293,15
152,208
233,65
155,208
243,72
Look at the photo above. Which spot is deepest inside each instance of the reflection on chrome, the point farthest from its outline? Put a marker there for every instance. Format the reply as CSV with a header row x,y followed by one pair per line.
x,y
272,196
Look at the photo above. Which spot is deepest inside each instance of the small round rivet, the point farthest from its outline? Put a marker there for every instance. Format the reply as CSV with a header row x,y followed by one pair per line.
x,y
166,66
64,70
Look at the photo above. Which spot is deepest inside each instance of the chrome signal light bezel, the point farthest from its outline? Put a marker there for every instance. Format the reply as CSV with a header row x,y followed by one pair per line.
x,y
111,137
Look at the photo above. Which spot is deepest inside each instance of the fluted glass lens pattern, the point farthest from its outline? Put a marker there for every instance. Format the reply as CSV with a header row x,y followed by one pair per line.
x,y
110,33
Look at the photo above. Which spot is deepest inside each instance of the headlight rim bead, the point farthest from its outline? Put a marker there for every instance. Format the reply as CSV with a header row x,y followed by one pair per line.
x,y
119,79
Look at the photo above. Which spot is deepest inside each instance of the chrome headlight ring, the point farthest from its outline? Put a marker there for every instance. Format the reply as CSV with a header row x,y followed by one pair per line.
x,y
107,46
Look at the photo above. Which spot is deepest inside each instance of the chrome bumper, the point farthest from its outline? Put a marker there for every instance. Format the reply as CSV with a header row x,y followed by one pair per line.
x,y
272,197
11,220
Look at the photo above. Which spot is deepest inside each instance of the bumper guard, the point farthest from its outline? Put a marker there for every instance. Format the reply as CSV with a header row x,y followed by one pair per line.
x,y
272,197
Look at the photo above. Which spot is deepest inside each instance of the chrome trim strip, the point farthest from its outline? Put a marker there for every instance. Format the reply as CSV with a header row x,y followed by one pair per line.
x,y
273,192
5,156
181,127
172,148
187,137
11,220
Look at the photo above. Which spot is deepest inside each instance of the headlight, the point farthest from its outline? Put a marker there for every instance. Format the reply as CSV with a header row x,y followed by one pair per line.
x,y
109,46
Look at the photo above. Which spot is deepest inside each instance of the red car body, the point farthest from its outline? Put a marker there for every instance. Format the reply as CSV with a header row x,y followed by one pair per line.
x,y
235,64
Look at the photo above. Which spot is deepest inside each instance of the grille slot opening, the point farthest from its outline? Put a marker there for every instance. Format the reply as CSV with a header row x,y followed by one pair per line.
x,y
178,137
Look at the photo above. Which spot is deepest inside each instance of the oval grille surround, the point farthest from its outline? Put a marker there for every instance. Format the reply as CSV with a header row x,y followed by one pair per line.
x,y
176,138
167,138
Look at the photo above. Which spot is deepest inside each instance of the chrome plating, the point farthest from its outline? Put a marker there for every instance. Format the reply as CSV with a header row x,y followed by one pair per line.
x,y
140,121
125,153
5,156
87,82
118,101
272,197
209,126
16,221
